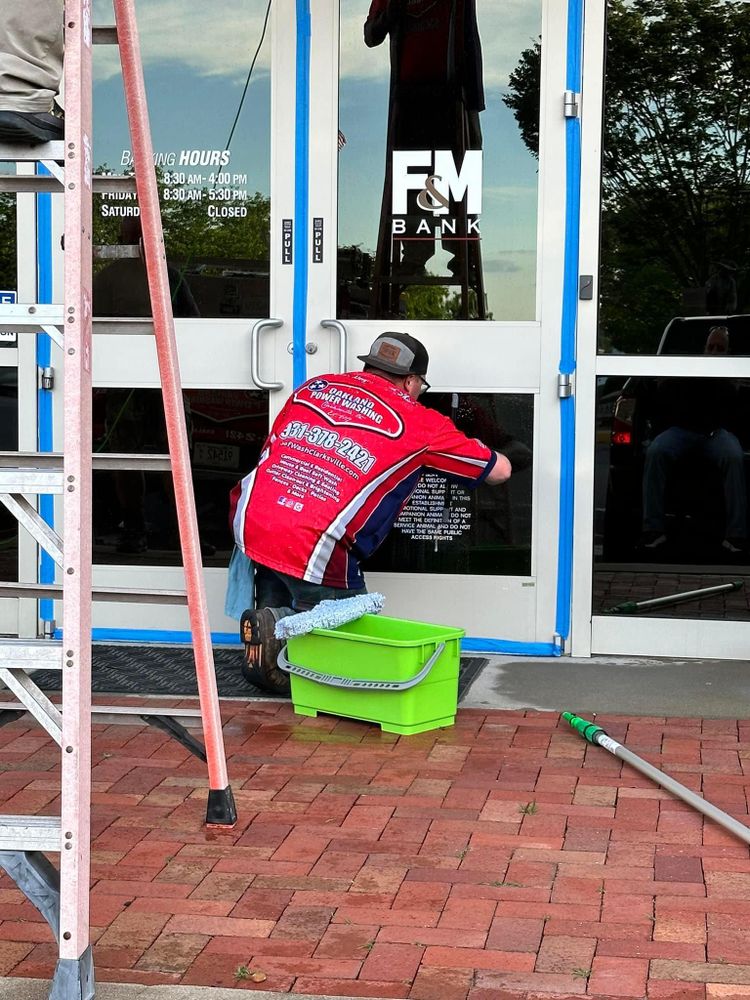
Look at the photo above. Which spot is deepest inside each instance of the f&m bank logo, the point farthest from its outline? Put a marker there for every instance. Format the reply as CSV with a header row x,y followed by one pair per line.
x,y
441,186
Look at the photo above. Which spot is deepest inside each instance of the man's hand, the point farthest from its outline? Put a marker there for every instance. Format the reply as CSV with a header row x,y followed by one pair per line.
x,y
500,472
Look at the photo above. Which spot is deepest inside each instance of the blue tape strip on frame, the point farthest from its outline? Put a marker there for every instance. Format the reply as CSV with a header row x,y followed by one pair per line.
x,y
44,396
301,193
178,638
507,647
145,635
568,330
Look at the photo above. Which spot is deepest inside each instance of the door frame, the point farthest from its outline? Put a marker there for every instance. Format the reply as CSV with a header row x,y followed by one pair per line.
x,y
625,634
525,353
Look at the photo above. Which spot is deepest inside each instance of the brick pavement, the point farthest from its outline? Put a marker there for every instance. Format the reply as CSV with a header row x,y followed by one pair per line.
x,y
503,859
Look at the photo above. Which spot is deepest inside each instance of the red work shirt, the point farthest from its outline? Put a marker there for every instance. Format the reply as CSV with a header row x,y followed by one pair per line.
x,y
343,457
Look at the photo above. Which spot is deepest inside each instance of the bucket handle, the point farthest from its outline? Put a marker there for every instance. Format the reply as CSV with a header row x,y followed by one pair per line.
x,y
355,682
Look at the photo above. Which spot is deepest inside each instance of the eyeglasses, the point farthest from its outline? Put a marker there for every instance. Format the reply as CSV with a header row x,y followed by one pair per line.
x,y
425,385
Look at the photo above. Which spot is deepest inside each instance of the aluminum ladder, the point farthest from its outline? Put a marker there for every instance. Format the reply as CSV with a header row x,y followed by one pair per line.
x,y
63,896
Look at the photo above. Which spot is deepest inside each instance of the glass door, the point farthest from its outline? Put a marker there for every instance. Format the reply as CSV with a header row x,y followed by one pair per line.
x,y
667,394
221,158
437,208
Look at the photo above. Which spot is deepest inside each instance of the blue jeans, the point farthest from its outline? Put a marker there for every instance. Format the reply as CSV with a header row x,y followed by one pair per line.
x,y
721,450
288,595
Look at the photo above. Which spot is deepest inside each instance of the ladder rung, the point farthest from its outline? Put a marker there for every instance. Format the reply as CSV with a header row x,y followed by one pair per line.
x,y
117,251
20,152
123,325
120,715
128,595
30,833
430,279
30,314
52,462
37,654
30,481
104,34
37,183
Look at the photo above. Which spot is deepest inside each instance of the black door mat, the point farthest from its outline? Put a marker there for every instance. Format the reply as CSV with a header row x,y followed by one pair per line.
x,y
169,670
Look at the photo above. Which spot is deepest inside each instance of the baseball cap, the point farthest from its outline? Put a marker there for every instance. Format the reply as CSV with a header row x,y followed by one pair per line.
x,y
397,353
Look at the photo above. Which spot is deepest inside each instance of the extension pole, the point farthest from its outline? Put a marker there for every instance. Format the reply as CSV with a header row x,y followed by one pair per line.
x,y
632,607
595,734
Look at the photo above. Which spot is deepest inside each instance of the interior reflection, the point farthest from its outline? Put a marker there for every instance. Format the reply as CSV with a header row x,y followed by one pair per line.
x,y
671,488
134,516
675,173
8,442
447,528
438,183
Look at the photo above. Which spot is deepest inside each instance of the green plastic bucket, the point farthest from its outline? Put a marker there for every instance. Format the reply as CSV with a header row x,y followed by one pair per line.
x,y
400,674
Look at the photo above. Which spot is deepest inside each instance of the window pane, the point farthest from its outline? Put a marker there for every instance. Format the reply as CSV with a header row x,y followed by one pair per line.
x,y
675,170
212,147
134,512
671,487
447,528
449,92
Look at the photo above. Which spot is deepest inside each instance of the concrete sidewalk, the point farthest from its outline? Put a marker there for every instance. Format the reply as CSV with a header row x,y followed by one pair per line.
x,y
500,859
622,685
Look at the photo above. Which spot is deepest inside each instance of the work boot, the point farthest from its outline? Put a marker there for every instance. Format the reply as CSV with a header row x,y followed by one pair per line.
x,y
261,651
32,127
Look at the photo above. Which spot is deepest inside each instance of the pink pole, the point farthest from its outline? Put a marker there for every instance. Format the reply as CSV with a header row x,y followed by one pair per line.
x,y
166,349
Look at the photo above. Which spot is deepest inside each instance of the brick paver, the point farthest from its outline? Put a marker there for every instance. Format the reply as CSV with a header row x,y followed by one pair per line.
x,y
501,859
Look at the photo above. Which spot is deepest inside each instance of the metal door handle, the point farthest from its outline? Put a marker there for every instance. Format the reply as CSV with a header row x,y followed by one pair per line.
x,y
255,353
335,324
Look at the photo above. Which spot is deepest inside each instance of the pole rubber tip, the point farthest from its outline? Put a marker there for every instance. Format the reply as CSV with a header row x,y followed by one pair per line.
x,y
221,809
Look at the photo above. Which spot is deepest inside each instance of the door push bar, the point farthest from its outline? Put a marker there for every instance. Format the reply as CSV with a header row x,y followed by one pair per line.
x,y
335,324
255,375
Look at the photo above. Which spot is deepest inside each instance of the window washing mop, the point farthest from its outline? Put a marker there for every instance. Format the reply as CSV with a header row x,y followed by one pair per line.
x,y
329,614
595,734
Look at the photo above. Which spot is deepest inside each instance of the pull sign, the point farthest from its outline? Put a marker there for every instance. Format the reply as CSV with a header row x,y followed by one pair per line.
x,y
286,241
317,243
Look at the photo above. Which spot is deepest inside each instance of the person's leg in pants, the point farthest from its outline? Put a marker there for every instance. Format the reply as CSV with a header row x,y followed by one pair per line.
x,y
662,455
725,451
31,62
277,595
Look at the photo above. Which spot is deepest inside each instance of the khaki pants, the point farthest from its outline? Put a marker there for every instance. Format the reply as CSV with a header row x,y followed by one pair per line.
x,y
31,53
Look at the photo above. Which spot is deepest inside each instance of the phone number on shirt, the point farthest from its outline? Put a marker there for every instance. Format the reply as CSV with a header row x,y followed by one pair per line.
x,y
329,440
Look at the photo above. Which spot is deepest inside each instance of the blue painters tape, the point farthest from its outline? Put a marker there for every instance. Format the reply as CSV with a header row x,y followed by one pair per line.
x,y
473,645
574,54
301,193
145,635
44,396
568,324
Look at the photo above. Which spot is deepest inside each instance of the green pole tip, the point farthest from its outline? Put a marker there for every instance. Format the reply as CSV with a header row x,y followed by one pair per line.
x,y
582,726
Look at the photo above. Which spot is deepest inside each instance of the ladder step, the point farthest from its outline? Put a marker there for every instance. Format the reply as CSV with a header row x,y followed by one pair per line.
x,y
104,34
20,152
128,595
15,481
49,463
429,279
38,183
36,654
30,314
30,833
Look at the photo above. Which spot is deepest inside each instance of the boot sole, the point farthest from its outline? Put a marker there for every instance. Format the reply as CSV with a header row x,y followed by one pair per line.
x,y
15,127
